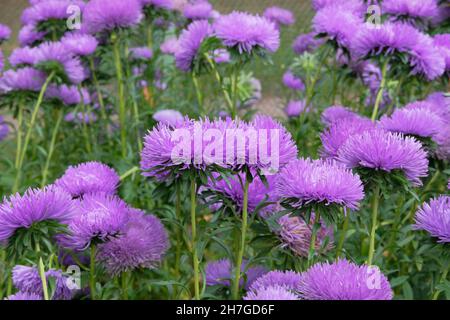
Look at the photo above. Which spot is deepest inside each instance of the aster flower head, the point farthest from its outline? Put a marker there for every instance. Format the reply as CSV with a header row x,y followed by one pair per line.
x,y
22,80
169,117
344,280
414,11
36,205
169,46
221,56
306,182
295,234
337,113
24,296
88,178
81,117
21,57
107,15
434,217
293,82
295,107
49,10
5,33
4,129
279,16
189,44
28,35
141,53
386,152
69,95
80,44
220,272
246,32
160,4
306,43
99,218
442,42
271,293
142,245
436,103
199,10
288,280
356,6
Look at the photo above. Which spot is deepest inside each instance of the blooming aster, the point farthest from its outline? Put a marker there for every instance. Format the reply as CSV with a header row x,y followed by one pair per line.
x,y
88,178
279,16
21,57
344,280
81,117
34,206
168,117
289,280
107,15
294,108
25,79
306,43
69,95
271,293
5,32
4,129
162,4
24,296
142,245
141,53
247,32
198,10
80,44
169,46
29,36
411,10
306,181
442,42
220,272
434,217
356,6
293,82
189,43
337,113
386,151
49,10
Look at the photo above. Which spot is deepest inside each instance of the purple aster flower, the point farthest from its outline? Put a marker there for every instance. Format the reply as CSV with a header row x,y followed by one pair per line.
x,y
434,217
289,280
28,35
88,178
161,4
99,218
393,38
49,10
35,205
107,15
24,296
337,113
80,44
69,95
295,234
25,79
321,181
386,151
141,53
353,5
169,117
344,280
198,10
411,10
279,16
81,117
271,293
5,32
436,103
247,32
293,82
338,133
27,279
221,56
4,129
294,108
442,41
56,52
306,43
220,272
189,43
170,46
142,245
21,57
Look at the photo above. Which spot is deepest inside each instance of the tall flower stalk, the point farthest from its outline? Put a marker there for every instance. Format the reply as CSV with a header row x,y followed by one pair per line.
x,y
59,117
373,229
379,97
195,262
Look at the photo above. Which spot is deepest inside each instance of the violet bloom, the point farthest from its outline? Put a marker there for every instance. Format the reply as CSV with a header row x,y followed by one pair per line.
x,y
247,32
88,178
442,42
306,181
141,53
27,279
80,44
386,151
337,113
189,43
99,218
5,33
50,53
25,79
295,234
271,293
356,6
28,35
289,280
69,95
49,10
142,245
34,206
293,82
399,38
344,280
22,57
2,61
81,117
294,108
169,117
411,10
107,15
306,43
169,46
24,296
4,129
220,272
199,10
279,16
221,56
160,4
434,217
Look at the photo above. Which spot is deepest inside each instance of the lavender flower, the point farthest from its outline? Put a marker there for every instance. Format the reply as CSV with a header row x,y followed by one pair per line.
x,y
247,32
24,296
198,10
160,4
279,16
81,117
306,181
107,15
292,82
4,129
221,56
337,113
69,95
271,293
169,117
356,6
170,46
386,151
25,79
288,280
434,218
220,272
295,107
189,43
29,36
80,44
5,33
141,53
142,245
21,57
422,10
344,280
306,43
88,178
2,61
442,42
49,10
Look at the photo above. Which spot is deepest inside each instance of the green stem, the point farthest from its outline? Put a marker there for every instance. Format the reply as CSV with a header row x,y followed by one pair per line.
x,y
342,236
52,147
241,250
198,93
92,273
194,239
41,269
97,89
375,205
129,173
178,234
220,82
124,280
312,244
86,134
34,115
437,291
379,97
19,134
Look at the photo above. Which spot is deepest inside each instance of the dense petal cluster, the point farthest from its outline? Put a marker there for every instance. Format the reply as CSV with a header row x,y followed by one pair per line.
x,y
295,107
306,181
220,272
80,44
425,10
271,293
170,46
5,32
198,10
141,53
306,43
69,95
279,16
21,57
28,35
24,296
289,280
169,117
49,10
293,82
337,113
25,79
434,217
442,42
344,280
